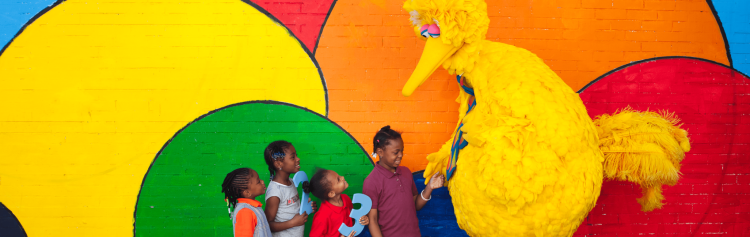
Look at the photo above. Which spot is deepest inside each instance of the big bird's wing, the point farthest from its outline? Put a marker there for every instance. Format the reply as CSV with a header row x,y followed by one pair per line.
x,y
438,161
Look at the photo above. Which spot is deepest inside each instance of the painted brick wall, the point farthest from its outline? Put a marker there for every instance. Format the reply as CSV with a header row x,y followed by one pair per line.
x,y
368,50
92,90
736,22
303,18
85,114
713,195
180,194
15,14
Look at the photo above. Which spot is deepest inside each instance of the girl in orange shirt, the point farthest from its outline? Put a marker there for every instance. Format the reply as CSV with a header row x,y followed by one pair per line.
x,y
240,189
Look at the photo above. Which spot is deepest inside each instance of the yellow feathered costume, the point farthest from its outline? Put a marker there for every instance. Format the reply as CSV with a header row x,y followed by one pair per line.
x,y
535,161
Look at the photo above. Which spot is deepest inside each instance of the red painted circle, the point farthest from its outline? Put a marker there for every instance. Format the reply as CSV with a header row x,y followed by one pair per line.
x,y
713,195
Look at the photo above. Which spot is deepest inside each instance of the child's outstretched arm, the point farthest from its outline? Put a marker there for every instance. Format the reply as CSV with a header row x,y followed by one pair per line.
x,y
374,227
272,207
436,181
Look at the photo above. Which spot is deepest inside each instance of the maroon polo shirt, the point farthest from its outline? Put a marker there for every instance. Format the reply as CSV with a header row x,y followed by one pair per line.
x,y
393,195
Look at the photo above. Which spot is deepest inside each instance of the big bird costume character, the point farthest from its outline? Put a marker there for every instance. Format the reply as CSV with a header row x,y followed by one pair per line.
x,y
525,158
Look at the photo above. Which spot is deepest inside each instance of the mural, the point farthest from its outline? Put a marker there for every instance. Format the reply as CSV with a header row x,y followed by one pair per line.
x,y
16,14
101,100
580,41
711,99
179,196
101,86
305,19
735,22
9,224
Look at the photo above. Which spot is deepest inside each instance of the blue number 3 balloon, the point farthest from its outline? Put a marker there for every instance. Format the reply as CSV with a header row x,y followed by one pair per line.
x,y
356,214
306,206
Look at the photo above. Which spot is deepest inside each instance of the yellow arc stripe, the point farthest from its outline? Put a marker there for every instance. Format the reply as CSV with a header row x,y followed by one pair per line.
x,y
92,90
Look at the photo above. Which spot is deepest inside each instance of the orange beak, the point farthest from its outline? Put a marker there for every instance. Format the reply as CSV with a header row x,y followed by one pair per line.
x,y
434,54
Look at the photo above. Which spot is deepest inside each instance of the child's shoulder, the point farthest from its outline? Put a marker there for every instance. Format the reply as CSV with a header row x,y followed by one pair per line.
x,y
372,175
276,185
246,214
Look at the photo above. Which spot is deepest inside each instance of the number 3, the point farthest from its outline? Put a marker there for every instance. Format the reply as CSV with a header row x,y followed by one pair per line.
x,y
306,206
356,214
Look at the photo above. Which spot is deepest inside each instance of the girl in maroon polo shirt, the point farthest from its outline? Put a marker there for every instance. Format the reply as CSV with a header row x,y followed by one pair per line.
x,y
329,187
395,200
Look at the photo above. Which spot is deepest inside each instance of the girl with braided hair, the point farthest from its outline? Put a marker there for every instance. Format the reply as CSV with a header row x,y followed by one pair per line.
x,y
240,189
282,200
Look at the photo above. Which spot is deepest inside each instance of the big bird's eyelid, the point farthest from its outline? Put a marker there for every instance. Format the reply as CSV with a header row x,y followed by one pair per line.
x,y
428,31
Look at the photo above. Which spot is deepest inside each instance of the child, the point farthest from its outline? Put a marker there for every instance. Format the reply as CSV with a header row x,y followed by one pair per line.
x,y
391,187
240,188
282,200
329,187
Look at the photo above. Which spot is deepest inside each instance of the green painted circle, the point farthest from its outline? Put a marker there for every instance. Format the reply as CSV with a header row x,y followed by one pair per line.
x,y
181,193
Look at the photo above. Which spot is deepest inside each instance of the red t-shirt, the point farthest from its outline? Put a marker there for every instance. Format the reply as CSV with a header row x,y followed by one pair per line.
x,y
328,219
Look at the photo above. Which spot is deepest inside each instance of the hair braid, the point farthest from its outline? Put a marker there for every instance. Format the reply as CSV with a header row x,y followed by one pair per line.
x,y
382,138
275,151
234,184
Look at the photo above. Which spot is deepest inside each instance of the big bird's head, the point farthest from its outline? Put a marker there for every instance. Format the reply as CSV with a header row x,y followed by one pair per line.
x,y
454,30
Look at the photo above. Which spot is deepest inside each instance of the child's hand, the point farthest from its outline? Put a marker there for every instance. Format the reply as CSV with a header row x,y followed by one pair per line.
x,y
350,234
314,205
364,220
436,181
299,220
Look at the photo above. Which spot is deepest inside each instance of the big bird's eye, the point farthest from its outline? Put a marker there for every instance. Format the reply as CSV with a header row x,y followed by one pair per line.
x,y
423,31
430,31
434,30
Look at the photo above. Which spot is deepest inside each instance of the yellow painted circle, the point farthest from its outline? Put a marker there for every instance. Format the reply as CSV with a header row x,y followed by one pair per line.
x,y
93,89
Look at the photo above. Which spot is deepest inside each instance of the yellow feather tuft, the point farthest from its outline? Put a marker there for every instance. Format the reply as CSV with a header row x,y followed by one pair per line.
x,y
463,22
651,199
644,148
437,162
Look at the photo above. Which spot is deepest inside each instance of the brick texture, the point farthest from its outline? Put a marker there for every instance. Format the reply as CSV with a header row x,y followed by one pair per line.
x,y
303,18
712,197
182,188
93,89
735,19
367,52
15,14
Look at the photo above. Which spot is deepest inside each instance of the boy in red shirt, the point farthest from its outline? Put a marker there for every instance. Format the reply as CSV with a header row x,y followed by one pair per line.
x,y
329,187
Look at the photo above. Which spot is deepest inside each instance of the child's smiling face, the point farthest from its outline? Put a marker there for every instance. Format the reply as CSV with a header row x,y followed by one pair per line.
x,y
255,186
337,183
391,155
290,162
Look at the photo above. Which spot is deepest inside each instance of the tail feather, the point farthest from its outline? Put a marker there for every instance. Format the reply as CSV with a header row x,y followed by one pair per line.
x,y
652,198
645,148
